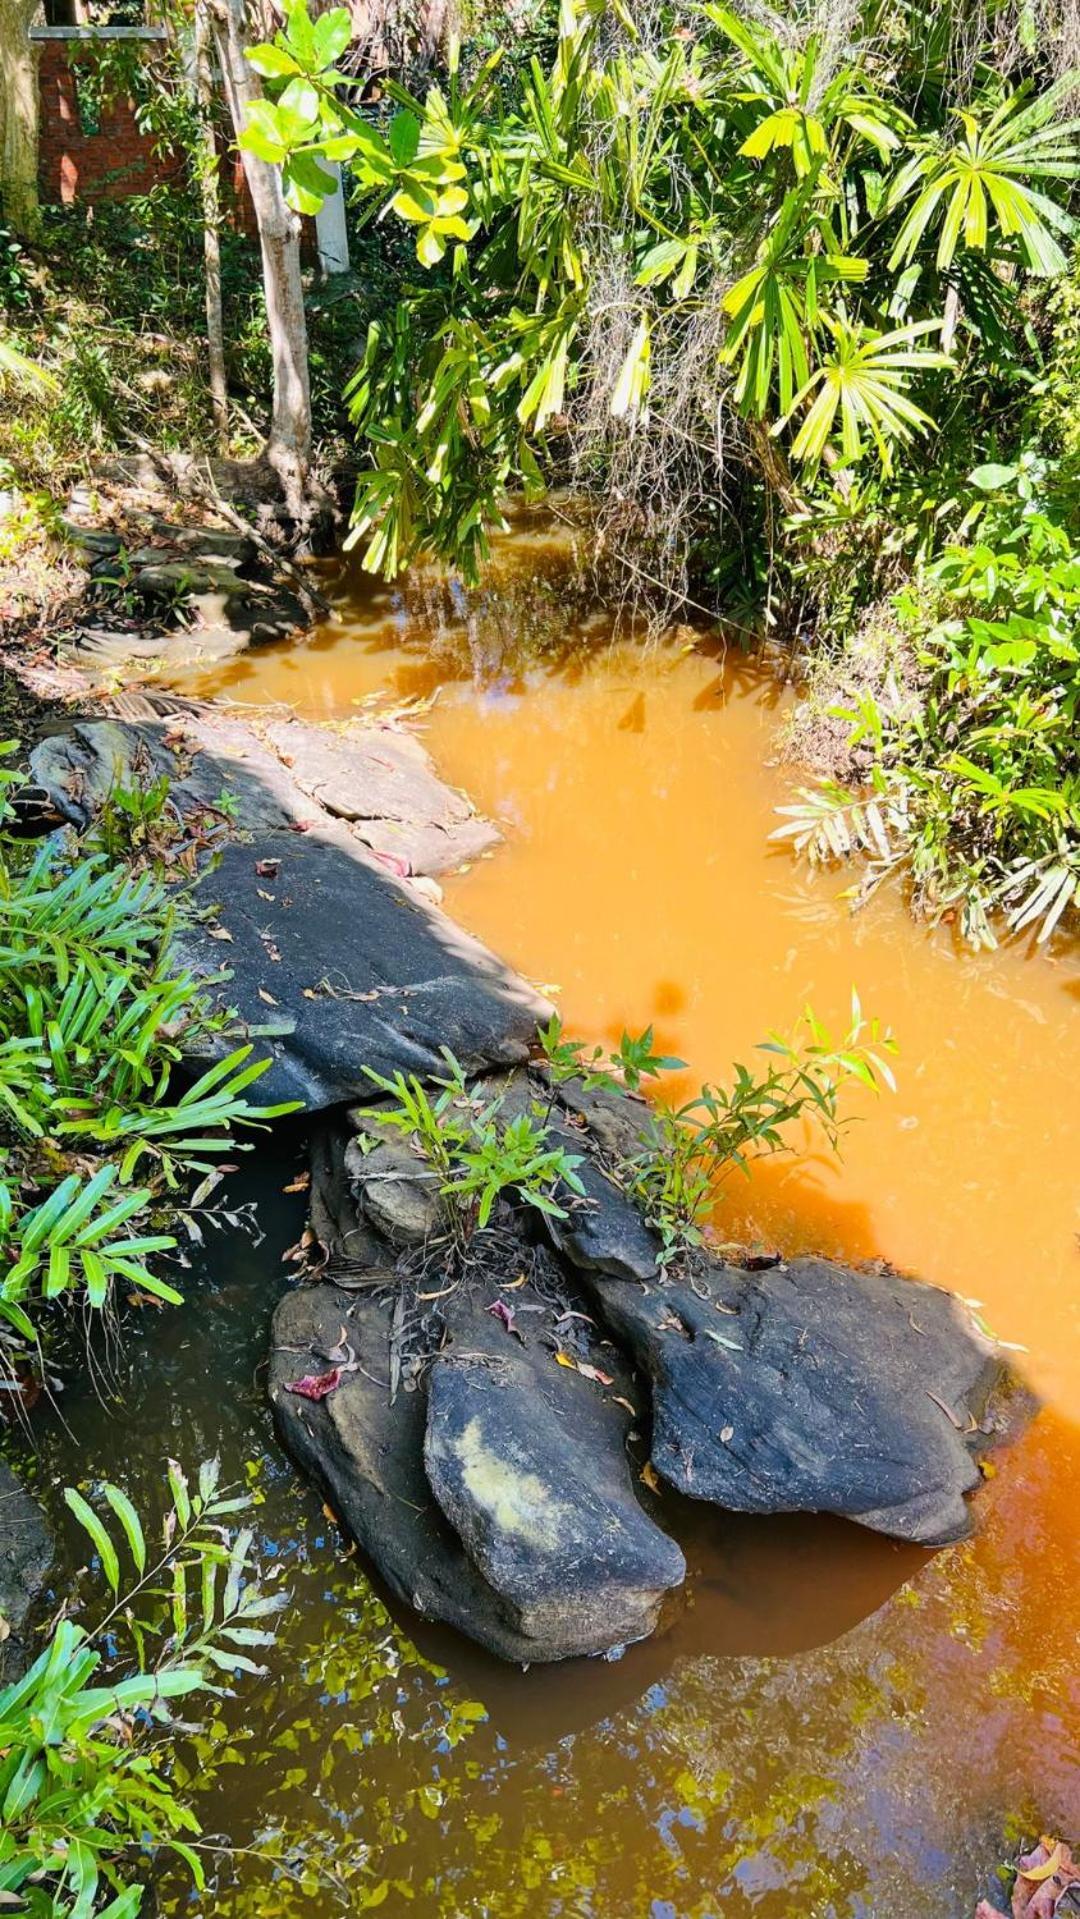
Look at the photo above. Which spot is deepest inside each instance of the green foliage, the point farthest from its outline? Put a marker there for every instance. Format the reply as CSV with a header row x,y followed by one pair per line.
x,y
475,1152
688,1151
811,223
975,789
632,1062
93,1023
86,1734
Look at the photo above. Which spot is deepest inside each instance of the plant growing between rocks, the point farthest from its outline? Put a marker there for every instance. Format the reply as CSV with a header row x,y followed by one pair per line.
x,y
475,1153
687,1152
683,1154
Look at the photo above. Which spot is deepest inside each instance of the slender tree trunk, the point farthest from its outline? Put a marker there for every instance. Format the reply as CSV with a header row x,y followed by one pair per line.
x,y
18,119
211,205
289,446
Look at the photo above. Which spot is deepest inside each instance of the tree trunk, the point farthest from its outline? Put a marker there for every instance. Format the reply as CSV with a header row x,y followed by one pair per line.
x,y
289,446
18,119
207,162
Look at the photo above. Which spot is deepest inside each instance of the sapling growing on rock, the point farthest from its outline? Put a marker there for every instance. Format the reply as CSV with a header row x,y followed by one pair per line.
x,y
473,1149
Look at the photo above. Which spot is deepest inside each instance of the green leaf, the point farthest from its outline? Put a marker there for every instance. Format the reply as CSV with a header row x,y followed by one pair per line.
x,y
92,1525
273,62
129,1520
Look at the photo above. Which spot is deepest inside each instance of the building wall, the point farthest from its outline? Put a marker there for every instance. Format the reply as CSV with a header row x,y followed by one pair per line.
x,y
109,162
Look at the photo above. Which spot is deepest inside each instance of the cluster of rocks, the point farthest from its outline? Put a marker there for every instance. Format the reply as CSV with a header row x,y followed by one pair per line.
x,y
166,593
497,1427
495,1430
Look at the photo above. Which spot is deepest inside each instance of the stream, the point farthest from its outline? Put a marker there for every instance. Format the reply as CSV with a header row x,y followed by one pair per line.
x,y
829,1723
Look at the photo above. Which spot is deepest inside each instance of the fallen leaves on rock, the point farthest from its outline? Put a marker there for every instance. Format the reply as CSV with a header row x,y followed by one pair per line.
x,y
317,1385
298,1185
501,1311
581,1366
267,869
1047,1883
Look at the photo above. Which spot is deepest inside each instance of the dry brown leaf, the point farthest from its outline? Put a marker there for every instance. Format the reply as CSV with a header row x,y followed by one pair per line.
x,y
298,1185
268,998
648,1477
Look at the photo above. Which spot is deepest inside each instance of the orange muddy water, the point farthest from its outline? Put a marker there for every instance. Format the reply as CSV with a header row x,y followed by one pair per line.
x,y
831,1725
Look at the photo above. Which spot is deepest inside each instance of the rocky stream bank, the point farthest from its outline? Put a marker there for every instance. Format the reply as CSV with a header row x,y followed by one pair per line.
x,y
496,1424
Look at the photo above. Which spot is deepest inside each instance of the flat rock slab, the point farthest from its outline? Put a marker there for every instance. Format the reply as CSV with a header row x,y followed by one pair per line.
x,y
336,965
464,1492
26,1554
80,767
377,782
814,1387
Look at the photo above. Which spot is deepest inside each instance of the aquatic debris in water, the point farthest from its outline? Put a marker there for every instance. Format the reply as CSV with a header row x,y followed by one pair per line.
x,y
1047,1883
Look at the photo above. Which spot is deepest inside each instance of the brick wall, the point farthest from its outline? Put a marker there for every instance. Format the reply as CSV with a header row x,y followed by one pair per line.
x,y
108,163
114,160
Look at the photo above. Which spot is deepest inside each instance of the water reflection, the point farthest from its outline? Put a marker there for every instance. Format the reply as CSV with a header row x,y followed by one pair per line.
x,y
829,1724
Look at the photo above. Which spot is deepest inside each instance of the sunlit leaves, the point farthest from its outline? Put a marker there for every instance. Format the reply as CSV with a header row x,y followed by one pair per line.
x,y
85,1795
979,187
860,385
781,179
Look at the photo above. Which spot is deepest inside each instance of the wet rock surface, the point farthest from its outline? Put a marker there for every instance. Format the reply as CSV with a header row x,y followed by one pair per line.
x,y
813,1387
335,965
26,1554
805,1387
491,1490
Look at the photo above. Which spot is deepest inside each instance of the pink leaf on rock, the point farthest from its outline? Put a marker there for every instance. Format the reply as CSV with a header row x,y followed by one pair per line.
x,y
317,1385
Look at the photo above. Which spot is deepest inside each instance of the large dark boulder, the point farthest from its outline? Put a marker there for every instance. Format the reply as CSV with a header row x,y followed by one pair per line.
x,y
336,959
527,1461
336,965
814,1387
488,1485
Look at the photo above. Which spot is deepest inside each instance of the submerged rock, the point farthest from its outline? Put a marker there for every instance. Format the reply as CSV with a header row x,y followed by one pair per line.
x,y
813,1387
26,1554
492,1490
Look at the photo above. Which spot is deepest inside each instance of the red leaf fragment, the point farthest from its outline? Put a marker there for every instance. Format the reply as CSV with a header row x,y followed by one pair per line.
x,y
267,869
500,1310
317,1385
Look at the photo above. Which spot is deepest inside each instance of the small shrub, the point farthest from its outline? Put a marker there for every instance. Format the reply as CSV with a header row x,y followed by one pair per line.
x,y
973,785
476,1154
